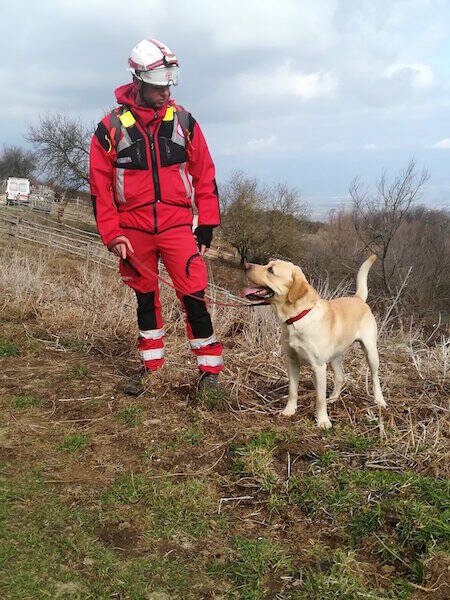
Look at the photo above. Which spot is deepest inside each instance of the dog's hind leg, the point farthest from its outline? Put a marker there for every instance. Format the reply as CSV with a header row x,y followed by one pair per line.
x,y
320,381
293,365
339,376
369,343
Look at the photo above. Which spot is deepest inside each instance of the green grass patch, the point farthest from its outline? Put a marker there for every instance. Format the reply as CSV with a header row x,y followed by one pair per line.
x,y
128,489
185,508
49,549
75,443
213,398
328,458
266,440
360,443
80,371
255,459
131,417
405,514
191,435
337,578
255,563
256,464
70,343
24,402
7,348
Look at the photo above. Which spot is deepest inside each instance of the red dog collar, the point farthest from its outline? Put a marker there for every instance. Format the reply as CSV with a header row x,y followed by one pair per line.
x,y
297,317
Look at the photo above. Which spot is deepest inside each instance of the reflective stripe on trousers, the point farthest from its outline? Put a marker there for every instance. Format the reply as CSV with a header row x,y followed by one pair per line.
x,y
210,361
198,343
152,354
152,334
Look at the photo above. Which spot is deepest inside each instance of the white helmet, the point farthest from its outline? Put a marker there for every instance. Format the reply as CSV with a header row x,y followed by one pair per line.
x,y
153,62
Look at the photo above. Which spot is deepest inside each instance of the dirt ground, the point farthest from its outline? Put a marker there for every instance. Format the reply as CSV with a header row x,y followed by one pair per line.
x,y
176,495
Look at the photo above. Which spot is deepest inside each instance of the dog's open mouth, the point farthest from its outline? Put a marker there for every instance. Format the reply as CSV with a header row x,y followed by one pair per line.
x,y
256,294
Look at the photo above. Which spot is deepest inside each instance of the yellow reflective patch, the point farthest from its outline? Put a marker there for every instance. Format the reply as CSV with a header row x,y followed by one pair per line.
x,y
169,114
127,119
109,142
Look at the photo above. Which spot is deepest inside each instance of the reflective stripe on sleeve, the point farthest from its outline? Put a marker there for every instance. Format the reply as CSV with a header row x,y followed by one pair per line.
x,y
185,180
120,174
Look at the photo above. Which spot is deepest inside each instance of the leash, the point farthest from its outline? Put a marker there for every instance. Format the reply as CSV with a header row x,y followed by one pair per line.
x,y
138,266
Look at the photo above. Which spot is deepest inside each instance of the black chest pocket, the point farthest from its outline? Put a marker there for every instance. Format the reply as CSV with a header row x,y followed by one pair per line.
x,y
133,157
170,153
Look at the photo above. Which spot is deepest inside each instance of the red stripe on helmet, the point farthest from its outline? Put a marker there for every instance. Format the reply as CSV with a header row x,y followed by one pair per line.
x,y
158,44
159,63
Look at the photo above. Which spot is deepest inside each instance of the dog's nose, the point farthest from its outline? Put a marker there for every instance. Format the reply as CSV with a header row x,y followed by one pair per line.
x,y
246,266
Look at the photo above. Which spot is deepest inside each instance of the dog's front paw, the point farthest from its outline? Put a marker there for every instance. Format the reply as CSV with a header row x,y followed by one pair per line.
x,y
288,411
323,423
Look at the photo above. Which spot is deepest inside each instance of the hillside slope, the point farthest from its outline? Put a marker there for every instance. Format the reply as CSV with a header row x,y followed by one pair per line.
x,y
174,496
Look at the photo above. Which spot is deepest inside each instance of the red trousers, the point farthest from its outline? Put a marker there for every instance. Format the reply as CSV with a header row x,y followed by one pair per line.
x,y
178,250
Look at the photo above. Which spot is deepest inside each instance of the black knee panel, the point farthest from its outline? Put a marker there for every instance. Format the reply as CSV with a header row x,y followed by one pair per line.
x,y
198,315
146,314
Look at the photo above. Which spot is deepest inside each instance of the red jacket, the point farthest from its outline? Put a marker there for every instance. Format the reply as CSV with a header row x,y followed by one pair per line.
x,y
140,161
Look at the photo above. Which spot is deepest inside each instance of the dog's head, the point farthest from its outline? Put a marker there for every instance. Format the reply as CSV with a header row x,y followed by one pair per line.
x,y
278,282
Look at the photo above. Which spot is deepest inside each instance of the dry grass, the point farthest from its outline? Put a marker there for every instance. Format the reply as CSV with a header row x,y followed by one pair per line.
x,y
91,308
75,334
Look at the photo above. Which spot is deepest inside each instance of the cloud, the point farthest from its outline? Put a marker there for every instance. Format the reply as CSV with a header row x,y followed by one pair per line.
x,y
282,80
267,25
443,144
258,145
261,143
288,90
419,76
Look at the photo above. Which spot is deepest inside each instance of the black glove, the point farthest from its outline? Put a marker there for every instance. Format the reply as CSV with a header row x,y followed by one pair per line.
x,y
204,235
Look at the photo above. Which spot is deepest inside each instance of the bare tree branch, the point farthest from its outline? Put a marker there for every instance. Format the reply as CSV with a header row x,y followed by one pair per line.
x,y
62,148
377,218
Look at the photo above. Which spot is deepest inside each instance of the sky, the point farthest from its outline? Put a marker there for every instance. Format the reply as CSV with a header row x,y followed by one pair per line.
x,y
307,93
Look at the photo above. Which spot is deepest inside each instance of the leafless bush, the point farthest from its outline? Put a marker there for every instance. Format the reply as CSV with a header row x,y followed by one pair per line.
x,y
378,217
262,222
17,162
420,248
411,242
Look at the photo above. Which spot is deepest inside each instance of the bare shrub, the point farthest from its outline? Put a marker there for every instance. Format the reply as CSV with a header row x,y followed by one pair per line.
x,y
17,162
411,242
378,216
263,222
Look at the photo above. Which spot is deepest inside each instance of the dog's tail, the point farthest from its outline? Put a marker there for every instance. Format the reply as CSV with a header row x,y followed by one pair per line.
x,y
361,278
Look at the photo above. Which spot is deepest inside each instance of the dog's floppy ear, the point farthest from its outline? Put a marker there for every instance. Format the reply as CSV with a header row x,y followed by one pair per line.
x,y
298,289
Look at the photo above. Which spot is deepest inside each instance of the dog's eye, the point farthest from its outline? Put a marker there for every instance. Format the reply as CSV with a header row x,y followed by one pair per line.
x,y
270,270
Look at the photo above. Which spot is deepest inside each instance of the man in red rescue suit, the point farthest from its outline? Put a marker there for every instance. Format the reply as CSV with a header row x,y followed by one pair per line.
x,y
142,154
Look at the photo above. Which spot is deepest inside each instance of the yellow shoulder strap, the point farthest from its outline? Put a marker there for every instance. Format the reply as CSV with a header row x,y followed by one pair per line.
x,y
127,119
169,114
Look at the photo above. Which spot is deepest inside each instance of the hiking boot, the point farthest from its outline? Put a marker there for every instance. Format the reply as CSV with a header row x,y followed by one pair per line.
x,y
207,381
135,386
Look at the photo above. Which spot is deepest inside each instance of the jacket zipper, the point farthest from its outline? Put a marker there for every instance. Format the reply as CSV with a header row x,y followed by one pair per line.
x,y
155,174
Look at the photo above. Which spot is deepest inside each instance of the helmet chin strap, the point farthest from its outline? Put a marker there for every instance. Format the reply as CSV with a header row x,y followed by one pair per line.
x,y
138,87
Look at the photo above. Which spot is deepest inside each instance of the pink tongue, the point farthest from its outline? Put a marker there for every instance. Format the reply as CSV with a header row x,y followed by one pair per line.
x,y
247,291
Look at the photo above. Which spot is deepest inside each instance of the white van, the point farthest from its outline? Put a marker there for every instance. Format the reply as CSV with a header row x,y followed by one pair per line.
x,y
18,191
